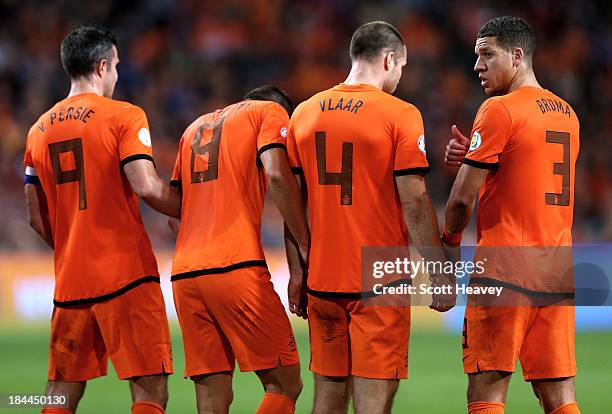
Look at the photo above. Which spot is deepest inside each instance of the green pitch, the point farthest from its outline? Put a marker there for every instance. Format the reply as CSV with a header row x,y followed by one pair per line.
x,y
436,382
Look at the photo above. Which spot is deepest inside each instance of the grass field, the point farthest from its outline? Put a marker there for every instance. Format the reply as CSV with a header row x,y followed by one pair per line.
x,y
436,383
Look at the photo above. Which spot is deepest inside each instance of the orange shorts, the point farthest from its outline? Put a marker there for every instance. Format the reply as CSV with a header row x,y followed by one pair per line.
x,y
348,338
131,329
231,316
542,338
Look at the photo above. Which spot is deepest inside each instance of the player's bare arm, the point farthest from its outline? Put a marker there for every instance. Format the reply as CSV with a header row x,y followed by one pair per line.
x,y
298,277
422,224
154,191
287,196
298,267
38,212
463,195
174,225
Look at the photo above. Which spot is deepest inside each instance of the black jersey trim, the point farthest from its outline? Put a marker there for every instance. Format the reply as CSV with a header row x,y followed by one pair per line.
x,y
411,171
353,295
270,146
479,164
129,286
217,270
487,281
178,185
137,157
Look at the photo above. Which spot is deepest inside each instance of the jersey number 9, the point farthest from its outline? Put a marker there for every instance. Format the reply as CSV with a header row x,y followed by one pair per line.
x,y
77,174
212,149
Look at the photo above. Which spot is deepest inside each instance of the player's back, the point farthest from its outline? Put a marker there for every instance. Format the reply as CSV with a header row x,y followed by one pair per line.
x,y
528,200
223,187
78,149
350,141
530,140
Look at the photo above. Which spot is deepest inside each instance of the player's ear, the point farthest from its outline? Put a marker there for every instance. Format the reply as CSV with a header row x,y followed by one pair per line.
x,y
389,60
517,56
101,67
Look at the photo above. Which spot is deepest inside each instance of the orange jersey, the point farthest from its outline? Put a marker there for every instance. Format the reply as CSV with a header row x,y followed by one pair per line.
x,y
351,141
529,138
77,150
223,187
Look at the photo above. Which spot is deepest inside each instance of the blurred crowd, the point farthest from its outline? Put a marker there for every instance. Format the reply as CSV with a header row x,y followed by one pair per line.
x,y
181,59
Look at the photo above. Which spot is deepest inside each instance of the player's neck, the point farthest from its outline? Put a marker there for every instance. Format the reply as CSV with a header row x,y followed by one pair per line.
x,y
523,79
83,85
363,74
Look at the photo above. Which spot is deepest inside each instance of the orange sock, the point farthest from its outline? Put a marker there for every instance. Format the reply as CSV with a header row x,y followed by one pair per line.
x,y
55,410
276,404
569,408
481,407
147,407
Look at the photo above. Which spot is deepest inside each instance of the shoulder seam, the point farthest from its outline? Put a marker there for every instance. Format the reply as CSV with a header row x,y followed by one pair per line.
x,y
408,106
502,103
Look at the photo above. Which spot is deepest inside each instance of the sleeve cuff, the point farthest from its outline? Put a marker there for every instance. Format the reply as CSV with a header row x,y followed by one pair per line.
x,y
135,157
177,184
479,164
269,146
411,171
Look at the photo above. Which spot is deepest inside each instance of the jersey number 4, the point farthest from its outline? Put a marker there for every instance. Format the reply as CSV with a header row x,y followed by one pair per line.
x,y
69,151
560,168
212,149
345,177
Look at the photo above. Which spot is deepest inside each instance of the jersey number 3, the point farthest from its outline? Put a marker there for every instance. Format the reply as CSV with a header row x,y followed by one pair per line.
x,y
69,152
560,168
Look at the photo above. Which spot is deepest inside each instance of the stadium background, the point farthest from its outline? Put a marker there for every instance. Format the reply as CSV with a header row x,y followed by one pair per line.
x,y
182,59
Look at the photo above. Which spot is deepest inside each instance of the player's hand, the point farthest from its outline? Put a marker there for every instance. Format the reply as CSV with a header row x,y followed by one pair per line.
x,y
445,300
456,148
298,299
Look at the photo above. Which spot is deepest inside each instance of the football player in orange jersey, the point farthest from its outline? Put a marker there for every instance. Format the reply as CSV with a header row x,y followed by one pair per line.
x,y
87,160
361,152
225,301
520,162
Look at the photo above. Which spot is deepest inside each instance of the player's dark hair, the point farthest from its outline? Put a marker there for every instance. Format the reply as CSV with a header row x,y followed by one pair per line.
x,y
370,39
84,47
270,93
511,31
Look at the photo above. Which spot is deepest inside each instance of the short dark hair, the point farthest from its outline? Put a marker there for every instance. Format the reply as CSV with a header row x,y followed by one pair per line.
x,y
84,47
270,93
372,38
510,31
